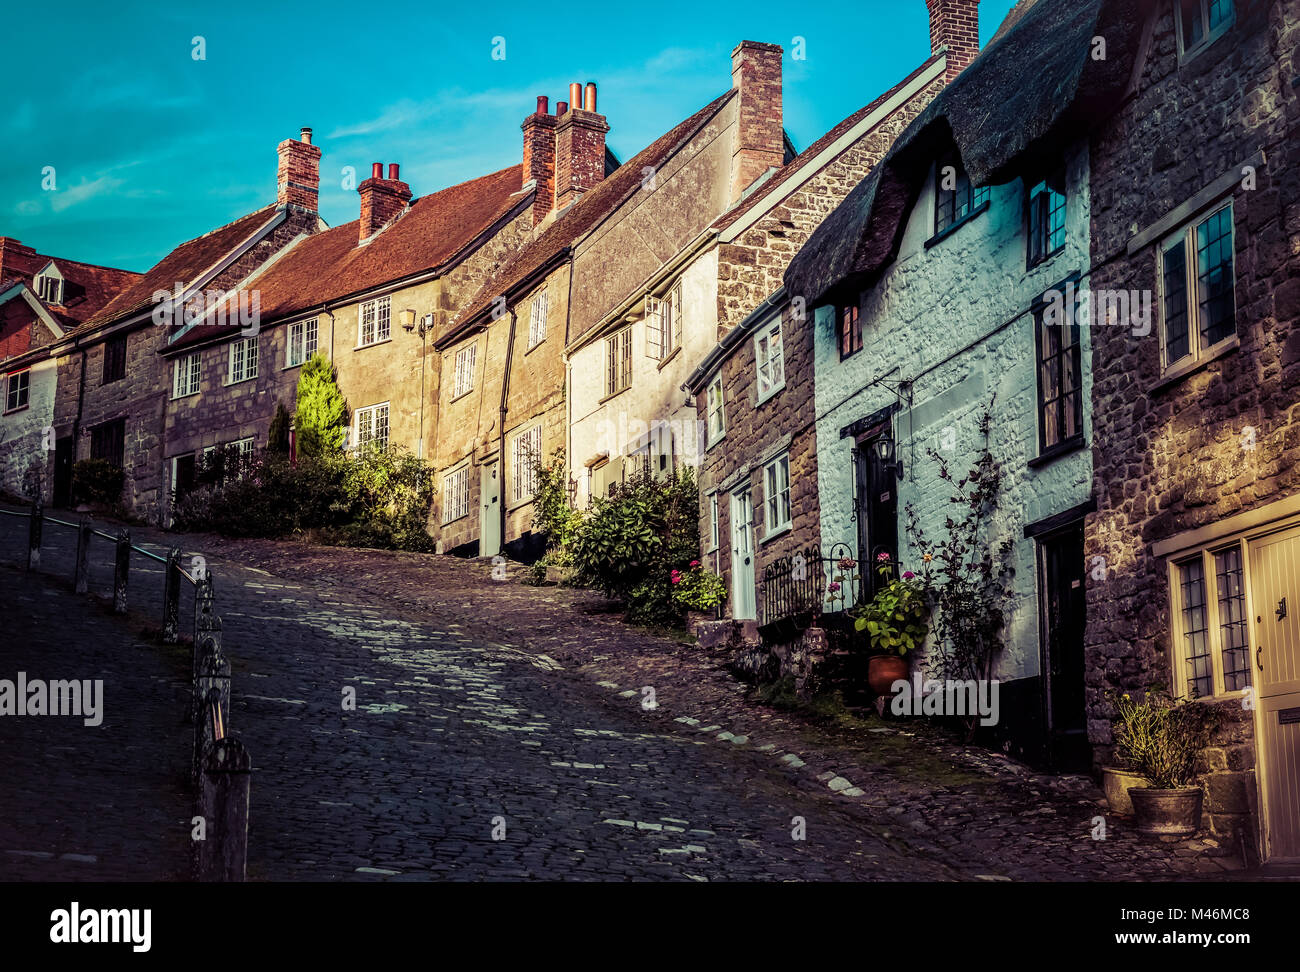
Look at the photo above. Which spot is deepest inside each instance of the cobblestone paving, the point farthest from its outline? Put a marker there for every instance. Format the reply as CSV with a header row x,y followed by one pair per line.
x,y
485,704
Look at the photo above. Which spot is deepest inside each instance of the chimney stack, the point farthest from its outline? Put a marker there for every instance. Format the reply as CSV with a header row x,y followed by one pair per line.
x,y
579,146
381,199
760,137
298,173
18,260
539,157
955,25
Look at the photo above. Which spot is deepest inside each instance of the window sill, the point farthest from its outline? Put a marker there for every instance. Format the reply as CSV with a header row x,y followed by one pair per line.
x,y
454,519
845,357
1185,57
778,532
613,395
947,231
241,381
714,442
771,393
373,344
1035,264
663,363
534,347
456,398
1184,370
177,398
520,504
1063,448
20,408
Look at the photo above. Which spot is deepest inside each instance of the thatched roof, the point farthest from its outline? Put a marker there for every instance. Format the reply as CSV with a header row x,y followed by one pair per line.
x,y
1029,93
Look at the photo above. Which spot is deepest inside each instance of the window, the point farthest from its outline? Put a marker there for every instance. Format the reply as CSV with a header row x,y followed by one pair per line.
x,y
955,197
114,359
1197,300
303,340
769,360
537,321
185,375
243,360
525,451
373,323
663,323
1060,382
17,390
1201,21
1212,637
716,421
1046,218
50,289
776,492
108,442
455,491
714,529
850,330
463,383
618,362
372,428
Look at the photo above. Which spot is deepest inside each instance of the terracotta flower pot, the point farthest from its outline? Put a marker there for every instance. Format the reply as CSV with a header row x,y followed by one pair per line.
x,y
884,670
1115,783
1163,813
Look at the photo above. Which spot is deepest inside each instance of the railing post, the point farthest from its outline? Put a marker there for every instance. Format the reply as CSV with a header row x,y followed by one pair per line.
x,y
121,567
223,803
34,526
203,607
172,596
81,573
211,684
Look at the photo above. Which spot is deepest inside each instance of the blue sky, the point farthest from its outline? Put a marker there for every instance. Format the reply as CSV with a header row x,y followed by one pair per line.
x,y
151,147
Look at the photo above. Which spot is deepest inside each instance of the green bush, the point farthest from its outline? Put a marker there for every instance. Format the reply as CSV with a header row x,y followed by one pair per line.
x,y
697,589
97,481
322,412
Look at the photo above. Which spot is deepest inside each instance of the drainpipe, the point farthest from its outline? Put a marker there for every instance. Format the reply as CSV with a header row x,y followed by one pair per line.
x,y
505,390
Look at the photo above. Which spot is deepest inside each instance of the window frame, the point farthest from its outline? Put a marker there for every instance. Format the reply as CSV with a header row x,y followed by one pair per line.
x,y
119,359
1185,236
117,458
371,411
762,339
47,281
1063,442
23,378
304,328
1211,34
464,363
1033,257
977,199
523,477
380,334
623,337
1180,667
853,332
538,309
715,524
715,405
451,512
193,377
248,361
778,500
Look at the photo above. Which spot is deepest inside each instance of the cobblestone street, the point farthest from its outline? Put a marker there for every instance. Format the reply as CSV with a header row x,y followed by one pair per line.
x,y
499,733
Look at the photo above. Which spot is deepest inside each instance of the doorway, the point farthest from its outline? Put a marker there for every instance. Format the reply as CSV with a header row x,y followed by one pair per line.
x,y
877,507
743,598
1275,607
489,520
1064,612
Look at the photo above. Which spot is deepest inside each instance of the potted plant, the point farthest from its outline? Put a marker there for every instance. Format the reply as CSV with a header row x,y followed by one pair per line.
x,y
1161,738
896,621
698,592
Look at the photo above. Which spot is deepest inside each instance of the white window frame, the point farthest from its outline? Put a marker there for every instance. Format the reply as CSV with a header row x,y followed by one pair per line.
x,y
49,288
524,447
769,364
463,377
375,316
455,492
715,407
24,389
537,311
618,362
303,341
243,351
715,535
663,323
368,418
186,372
1214,632
1186,236
778,507
1210,35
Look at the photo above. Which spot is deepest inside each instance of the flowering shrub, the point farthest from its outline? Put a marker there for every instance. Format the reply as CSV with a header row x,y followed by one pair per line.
x,y
897,619
697,589
1160,738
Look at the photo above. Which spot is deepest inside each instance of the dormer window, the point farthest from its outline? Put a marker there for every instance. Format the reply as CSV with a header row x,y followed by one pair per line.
x,y
955,198
49,288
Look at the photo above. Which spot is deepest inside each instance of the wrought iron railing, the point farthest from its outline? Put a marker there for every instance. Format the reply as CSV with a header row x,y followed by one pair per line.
x,y
803,586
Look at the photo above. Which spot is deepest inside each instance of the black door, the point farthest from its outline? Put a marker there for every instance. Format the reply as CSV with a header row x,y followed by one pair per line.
x,y
63,471
877,512
184,484
1065,615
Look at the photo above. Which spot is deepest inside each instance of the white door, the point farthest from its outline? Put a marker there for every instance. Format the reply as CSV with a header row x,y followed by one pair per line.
x,y
1275,601
489,512
742,555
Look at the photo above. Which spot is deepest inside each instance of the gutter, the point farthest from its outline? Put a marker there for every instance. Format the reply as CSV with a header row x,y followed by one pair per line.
x,y
722,350
501,432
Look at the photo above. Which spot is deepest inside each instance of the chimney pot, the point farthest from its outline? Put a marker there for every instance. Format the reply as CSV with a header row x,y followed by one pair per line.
x,y
376,170
560,108
589,97
543,105
575,94
305,134
539,157
392,171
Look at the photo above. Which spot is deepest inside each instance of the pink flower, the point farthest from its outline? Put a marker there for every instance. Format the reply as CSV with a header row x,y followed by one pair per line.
x,y
695,563
835,586
882,556
908,575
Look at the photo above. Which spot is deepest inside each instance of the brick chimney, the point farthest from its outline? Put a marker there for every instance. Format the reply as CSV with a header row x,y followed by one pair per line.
x,y
955,25
760,138
539,157
17,261
298,175
579,145
381,199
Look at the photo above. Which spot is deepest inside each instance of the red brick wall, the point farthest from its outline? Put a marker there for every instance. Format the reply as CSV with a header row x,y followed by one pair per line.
x,y
579,154
760,138
955,24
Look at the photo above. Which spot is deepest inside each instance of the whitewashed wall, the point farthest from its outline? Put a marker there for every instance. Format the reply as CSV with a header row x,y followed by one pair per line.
x,y
22,433
929,305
